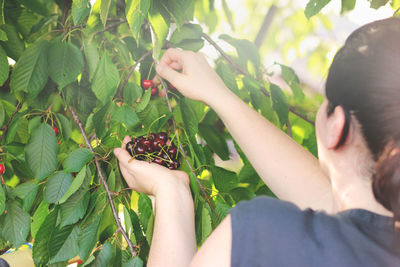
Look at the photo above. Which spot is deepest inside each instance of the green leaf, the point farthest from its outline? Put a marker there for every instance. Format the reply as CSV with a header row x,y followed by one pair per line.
x,y
135,12
377,3
65,62
43,7
41,151
224,180
57,186
4,67
77,159
206,227
65,126
314,7
187,31
159,31
177,10
131,93
16,224
222,209
3,36
105,7
135,262
226,73
215,140
92,57
188,117
2,21
88,237
279,103
2,199
80,10
70,247
246,50
99,119
74,209
145,210
291,78
30,72
38,217
347,5
2,114
126,115
103,257
149,229
27,191
40,250
14,45
106,78
58,238
76,184
144,101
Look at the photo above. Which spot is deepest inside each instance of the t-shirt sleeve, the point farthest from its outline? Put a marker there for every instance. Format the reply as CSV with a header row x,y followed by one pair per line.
x,y
270,232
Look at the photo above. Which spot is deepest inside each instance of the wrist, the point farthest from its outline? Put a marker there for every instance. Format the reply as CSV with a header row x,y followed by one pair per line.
x,y
219,98
172,185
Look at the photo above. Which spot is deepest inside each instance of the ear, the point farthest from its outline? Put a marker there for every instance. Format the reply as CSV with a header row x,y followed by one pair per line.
x,y
335,126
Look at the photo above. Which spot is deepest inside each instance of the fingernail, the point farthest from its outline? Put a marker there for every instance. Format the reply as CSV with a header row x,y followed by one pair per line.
x,y
159,67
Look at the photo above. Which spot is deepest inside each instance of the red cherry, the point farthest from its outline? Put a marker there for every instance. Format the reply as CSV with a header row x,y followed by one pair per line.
x,y
159,161
140,149
146,84
172,151
151,136
154,91
174,165
162,136
130,146
2,168
172,87
55,130
158,144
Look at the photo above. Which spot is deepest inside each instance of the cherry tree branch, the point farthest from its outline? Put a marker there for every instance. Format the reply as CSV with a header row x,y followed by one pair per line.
x,y
244,72
5,127
109,27
104,182
181,146
131,72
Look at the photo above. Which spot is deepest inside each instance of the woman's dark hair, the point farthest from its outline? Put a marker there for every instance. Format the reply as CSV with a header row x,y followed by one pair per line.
x,y
364,79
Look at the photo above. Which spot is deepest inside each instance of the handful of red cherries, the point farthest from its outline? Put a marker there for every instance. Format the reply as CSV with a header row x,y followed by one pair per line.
x,y
157,148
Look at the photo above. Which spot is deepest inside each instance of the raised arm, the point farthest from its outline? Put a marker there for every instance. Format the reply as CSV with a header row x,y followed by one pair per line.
x,y
290,171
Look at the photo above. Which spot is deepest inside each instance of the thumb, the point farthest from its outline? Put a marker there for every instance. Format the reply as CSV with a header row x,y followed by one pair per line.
x,y
123,157
168,73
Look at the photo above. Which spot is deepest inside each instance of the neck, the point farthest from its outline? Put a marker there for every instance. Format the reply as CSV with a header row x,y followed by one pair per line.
x,y
351,191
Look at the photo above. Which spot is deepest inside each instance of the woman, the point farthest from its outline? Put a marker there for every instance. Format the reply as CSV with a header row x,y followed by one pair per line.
x,y
346,204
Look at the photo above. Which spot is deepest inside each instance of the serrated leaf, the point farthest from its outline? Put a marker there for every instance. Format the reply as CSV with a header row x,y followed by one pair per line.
x,y
2,199
206,227
246,50
88,237
104,9
226,73
149,229
293,81
187,31
58,238
224,180
74,208
313,7
177,10
135,262
222,209
80,10
22,190
3,36
131,93
189,117
99,120
159,31
30,73
65,62
14,45
77,159
144,101
279,103
57,186
106,78
40,250
76,184
126,115
41,151
38,217
103,257
4,67
43,7
377,3
16,224
215,140
135,12
70,247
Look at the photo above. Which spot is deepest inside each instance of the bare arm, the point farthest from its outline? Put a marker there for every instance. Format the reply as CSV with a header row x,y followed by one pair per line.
x,y
290,171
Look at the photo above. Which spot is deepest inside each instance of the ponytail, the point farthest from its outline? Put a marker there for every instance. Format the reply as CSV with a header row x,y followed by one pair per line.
x,y
386,180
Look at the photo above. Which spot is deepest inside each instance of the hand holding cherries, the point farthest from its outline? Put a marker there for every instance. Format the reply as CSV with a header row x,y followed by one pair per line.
x,y
156,148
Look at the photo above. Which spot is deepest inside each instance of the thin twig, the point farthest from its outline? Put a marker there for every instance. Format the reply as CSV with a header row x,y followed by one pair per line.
x,y
5,127
181,147
131,72
104,182
289,128
244,72
111,26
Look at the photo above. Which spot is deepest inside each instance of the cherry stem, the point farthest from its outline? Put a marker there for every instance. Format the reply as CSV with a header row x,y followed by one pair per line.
x,y
104,182
181,147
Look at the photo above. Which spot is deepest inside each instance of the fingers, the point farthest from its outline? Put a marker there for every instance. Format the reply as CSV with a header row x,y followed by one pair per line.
x,y
172,55
169,73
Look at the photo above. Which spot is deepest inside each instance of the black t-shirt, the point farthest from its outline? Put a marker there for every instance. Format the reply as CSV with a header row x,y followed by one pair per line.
x,y
271,232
